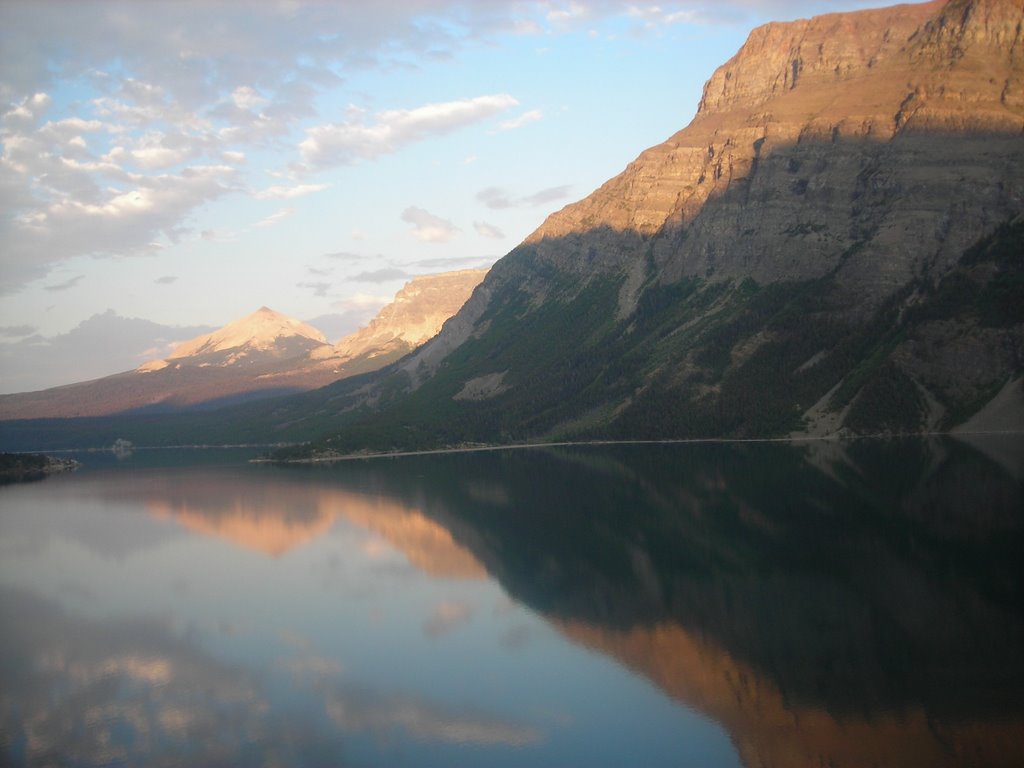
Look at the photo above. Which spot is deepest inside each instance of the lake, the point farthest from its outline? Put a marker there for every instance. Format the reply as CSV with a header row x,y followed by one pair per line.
x,y
653,605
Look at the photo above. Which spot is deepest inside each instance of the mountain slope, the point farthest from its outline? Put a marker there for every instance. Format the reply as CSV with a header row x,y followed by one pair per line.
x,y
749,276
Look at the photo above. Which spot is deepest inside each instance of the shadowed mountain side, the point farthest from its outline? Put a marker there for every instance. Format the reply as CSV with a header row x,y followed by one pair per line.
x,y
822,617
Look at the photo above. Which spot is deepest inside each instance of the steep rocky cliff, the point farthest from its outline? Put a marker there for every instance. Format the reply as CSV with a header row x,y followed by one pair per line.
x,y
826,145
793,260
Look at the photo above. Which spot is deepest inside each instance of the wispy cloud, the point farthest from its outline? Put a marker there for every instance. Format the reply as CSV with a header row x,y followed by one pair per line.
x,y
488,230
427,227
524,119
549,195
287,193
17,331
498,198
319,288
275,218
348,141
166,279
452,262
66,285
384,275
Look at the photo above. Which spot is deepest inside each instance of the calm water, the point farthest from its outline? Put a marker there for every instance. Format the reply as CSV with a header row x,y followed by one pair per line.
x,y
701,605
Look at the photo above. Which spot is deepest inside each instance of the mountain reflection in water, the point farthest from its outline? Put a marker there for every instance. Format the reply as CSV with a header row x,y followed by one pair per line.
x,y
827,605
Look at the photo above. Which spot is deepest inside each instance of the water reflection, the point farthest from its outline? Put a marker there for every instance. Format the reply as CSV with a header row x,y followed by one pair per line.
x,y
853,605
834,605
274,517
127,692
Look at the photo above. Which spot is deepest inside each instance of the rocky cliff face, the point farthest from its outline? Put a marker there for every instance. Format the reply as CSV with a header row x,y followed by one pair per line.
x,y
835,174
415,316
826,144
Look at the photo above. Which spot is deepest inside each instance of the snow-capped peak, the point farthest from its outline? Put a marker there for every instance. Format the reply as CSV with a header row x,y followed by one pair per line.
x,y
264,329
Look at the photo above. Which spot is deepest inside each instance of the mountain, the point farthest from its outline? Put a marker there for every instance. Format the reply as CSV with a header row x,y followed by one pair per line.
x,y
832,245
415,316
257,356
263,334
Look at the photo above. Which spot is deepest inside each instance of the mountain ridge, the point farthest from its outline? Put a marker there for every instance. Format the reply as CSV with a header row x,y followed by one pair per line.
x,y
263,354
841,199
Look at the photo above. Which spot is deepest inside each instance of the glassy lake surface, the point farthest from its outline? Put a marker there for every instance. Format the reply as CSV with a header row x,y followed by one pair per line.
x,y
696,605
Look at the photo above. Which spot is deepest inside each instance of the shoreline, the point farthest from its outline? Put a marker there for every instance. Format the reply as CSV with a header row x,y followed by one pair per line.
x,y
792,439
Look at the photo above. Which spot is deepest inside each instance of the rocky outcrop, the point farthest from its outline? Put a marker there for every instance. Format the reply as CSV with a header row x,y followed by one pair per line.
x,y
415,316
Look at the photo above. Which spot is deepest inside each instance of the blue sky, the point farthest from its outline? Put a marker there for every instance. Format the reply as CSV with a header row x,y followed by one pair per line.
x,y
185,163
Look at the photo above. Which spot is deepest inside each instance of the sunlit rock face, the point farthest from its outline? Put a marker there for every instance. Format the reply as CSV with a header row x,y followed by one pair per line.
x,y
263,331
828,235
416,315
880,143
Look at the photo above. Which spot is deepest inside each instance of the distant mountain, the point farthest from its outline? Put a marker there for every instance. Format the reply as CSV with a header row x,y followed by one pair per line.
x,y
257,356
253,338
415,316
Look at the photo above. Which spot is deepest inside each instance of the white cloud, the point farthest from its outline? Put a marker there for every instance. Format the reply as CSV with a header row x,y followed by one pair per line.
x,y
497,198
286,193
524,119
355,139
427,227
163,90
247,97
383,275
80,218
318,287
275,218
569,14
655,16
488,230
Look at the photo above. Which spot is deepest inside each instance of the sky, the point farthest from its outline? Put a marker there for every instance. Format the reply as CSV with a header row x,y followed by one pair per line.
x,y
168,167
